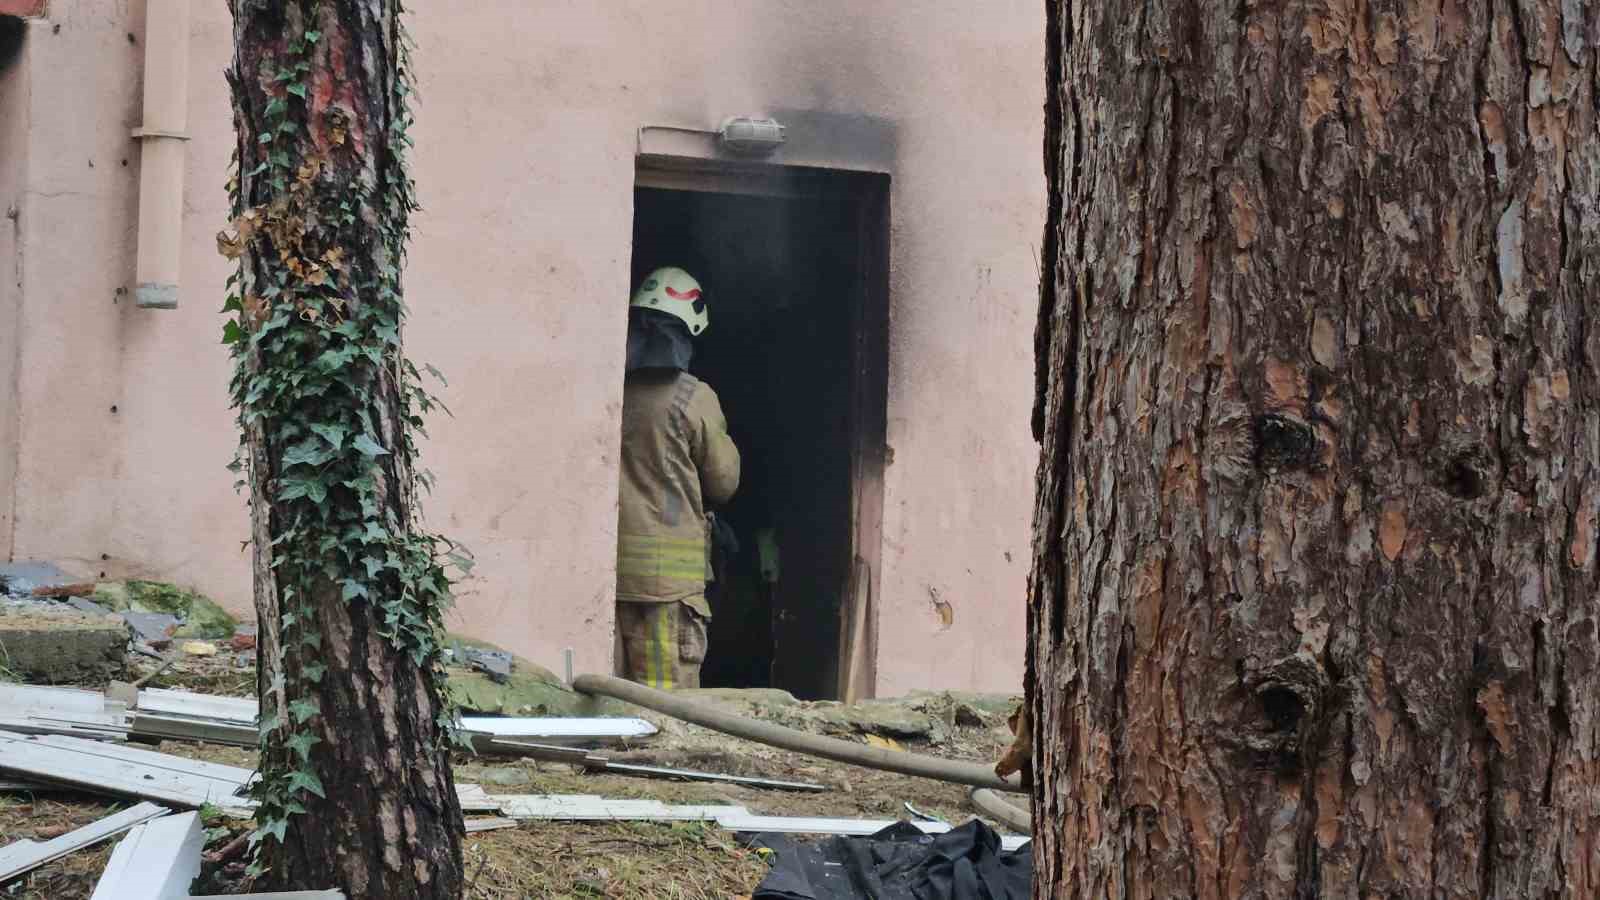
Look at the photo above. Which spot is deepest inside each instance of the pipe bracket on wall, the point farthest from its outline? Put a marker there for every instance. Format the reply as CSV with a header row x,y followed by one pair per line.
x,y
161,155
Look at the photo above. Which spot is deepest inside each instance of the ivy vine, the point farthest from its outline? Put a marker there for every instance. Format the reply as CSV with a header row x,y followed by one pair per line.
x,y
320,378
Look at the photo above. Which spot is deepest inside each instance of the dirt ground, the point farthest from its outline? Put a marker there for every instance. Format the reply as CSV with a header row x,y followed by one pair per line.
x,y
691,861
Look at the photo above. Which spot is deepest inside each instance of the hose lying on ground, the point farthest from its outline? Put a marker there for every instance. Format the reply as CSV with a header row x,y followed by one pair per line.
x,y
995,807
916,764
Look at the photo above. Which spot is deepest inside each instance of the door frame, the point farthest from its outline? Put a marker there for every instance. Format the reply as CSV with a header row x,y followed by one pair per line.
x,y
868,194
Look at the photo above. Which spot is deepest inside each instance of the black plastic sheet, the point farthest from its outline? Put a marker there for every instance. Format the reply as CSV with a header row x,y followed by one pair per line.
x,y
898,863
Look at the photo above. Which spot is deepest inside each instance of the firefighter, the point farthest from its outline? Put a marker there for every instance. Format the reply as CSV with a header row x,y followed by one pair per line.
x,y
678,462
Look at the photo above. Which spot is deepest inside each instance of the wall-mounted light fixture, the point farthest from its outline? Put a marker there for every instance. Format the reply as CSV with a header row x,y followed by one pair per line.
x,y
750,136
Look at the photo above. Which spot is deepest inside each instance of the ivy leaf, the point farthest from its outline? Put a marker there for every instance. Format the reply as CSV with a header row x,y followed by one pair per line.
x,y
309,452
303,710
310,488
333,360
273,828
367,446
233,304
333,434
231,332
299,90
273,324
313,672
374,566
313,36
301,743
354,589
303,780
437,374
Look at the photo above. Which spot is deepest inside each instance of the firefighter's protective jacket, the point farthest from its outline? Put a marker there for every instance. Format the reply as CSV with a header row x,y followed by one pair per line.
x,y
677,459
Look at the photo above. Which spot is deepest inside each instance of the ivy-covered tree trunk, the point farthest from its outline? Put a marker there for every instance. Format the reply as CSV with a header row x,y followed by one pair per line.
x,y
1314,597
356,790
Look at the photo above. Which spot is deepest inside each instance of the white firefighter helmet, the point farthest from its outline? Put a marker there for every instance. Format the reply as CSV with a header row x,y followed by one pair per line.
x,y
675,292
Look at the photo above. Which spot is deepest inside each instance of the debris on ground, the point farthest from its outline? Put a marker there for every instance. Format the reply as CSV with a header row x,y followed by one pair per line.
x,y
822,746
201,617
160,860
57,628
117,769
899,863
155,629
595,762
124,711
26,855
633,860
23,577
199,648
485,679
63,591
51,643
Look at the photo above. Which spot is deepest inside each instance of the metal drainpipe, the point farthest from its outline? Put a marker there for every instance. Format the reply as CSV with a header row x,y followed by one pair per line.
x,y
161,157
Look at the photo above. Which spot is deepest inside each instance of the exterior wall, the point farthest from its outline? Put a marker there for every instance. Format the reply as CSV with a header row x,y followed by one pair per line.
x,y
526,141
21,7
13,169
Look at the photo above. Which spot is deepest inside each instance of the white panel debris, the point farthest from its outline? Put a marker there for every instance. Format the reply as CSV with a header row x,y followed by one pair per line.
x,y
29,709
156,861
288,895
810,825
489,824
240,710
22,856
160,859
587,807
558,729
244,710
20,700
118,769
474,799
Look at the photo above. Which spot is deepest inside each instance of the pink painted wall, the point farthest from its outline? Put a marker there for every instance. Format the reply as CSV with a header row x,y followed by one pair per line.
x,y
13,174
528,126
22,7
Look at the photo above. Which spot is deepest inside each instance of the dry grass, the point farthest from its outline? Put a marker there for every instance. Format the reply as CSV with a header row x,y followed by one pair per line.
x,y
626,861
43,816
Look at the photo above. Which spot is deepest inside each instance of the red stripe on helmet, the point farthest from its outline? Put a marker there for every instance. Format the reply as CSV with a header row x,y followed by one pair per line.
x,y
693,294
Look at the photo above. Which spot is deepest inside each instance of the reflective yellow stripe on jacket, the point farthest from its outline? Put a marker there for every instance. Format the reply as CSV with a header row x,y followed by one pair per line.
x,y
662,557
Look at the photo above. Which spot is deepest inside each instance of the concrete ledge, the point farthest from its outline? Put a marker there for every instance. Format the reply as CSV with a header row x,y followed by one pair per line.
x,y
26,8
61,649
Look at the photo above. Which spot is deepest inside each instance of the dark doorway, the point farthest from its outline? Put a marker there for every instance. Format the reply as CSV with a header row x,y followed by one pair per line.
x,y
796,351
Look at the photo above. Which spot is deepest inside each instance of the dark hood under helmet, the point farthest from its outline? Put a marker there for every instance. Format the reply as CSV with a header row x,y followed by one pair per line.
x,y
658,340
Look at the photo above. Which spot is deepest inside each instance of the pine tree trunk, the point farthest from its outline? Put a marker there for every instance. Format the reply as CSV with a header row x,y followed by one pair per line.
x,y
1313,610
347,592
